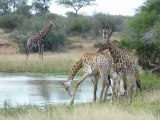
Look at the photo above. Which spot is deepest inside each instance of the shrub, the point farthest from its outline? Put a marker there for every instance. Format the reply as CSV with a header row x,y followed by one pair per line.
x,y
54,40
10,22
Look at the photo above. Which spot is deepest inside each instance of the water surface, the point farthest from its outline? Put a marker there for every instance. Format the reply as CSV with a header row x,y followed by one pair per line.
x,y
41,90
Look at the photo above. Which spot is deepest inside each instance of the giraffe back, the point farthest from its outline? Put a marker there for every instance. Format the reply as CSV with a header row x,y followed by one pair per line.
x,y
97,62
92,63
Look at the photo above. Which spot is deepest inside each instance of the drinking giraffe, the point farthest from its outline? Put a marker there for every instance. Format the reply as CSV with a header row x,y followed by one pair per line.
x,y
94,65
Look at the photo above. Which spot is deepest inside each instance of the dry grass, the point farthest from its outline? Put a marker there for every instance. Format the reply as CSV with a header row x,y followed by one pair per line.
x,y
9,50
52,63
84,112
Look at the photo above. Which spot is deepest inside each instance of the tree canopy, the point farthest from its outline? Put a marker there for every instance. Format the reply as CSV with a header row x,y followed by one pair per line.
x,y
143,33
76,4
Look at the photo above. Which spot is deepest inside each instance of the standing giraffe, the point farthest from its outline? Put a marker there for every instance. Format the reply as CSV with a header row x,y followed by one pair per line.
x,y
38,39
125,64
93,64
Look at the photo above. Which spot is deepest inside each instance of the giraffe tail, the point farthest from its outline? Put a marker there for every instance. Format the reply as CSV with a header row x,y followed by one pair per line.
x,y
109,78
138,82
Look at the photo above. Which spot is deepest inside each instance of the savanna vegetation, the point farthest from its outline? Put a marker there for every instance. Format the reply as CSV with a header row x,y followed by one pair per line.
x,y
142,34
72,35
147,108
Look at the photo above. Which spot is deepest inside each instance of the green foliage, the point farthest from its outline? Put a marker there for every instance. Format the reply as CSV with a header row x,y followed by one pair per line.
x,y
10,22
55,40
143,33
29,27
41,6
24,10
80,24
114,22
5,6
9,6
23,24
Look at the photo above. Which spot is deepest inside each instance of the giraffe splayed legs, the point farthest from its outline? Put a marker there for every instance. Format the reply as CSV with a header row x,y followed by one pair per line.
x,y
94,65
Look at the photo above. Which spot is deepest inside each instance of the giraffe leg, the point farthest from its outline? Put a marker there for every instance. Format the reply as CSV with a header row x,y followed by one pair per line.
x,y
115,85
102,90
118,88
129,92
135,88
27,52
139,85
106,89
79,82
125,81
42,48
95,86
41,51
129,89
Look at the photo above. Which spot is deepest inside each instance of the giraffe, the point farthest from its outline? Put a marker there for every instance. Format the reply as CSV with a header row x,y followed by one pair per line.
x,y
38,39
94,65
125,64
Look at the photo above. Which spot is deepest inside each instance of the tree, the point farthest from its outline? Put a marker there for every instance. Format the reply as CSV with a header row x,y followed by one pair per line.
x,y
143,33
76,4
8,6
5,6
24,10
18,3
41,6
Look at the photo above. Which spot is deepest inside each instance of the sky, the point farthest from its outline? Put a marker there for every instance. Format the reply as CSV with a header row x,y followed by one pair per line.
x,y
113,7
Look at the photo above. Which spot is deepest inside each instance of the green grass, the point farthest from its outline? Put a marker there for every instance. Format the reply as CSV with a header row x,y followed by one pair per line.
x,y
150,81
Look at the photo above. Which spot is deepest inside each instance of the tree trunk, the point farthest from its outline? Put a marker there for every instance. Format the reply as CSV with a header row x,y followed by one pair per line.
x,y
76,13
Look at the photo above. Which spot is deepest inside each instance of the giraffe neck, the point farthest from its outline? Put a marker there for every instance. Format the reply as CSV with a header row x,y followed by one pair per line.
x,y
78,65
115,52
45,30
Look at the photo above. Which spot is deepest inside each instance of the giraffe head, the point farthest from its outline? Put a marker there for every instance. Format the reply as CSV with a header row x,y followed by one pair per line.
x,y
52,21
106,33
67,86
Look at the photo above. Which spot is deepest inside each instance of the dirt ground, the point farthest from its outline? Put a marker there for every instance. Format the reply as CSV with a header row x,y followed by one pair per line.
x,y
6,46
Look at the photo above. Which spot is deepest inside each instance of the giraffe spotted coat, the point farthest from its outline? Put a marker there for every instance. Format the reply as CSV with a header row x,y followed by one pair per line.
x,y
93,65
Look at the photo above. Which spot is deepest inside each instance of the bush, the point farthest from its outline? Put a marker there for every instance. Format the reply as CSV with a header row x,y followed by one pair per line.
x,y
54,39
143,34
80,25
10,22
